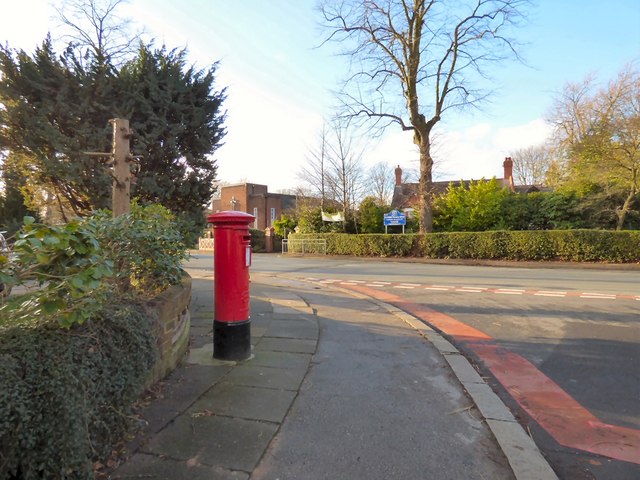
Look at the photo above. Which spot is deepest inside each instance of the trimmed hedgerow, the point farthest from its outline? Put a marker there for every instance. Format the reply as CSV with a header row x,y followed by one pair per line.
x,y
66,394
536,245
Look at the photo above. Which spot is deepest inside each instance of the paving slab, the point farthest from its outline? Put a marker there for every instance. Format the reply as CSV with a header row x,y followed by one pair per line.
x,y
156,467
292,345
178,392
209,439
241,401
266,358
268,377
302,328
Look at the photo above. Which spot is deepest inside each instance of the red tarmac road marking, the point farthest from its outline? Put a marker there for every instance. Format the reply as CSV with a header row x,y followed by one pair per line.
x,y
568,422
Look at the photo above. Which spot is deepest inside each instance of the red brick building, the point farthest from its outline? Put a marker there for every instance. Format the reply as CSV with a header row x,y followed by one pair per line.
x,y
255,200
405,195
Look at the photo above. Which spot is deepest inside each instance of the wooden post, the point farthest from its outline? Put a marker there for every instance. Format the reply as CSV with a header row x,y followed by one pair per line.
x,y
121,197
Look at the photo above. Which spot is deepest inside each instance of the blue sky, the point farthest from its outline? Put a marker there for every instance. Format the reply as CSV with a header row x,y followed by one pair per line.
x,y
279,83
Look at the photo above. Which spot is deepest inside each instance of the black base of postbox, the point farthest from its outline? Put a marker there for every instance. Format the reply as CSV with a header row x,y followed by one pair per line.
x,y
232,340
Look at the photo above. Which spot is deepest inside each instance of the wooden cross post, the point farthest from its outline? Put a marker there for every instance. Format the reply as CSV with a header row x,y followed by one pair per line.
x,y
121,193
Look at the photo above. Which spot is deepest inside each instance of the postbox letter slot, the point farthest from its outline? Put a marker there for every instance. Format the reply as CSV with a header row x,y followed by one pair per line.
x,y
247,260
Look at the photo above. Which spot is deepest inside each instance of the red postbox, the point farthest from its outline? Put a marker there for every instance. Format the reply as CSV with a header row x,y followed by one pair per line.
x,y
231,261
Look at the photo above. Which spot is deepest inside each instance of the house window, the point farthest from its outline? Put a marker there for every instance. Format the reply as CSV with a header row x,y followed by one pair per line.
x,y
255,214
273,215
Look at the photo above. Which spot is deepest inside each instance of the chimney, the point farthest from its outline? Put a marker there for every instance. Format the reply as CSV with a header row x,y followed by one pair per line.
x,y
508,169
398,176
508,172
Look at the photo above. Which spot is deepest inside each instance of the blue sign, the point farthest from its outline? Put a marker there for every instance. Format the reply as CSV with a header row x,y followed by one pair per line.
x,y
394,217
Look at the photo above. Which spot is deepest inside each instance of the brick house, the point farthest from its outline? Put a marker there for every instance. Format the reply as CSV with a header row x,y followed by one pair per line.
x,y
405,195
255,200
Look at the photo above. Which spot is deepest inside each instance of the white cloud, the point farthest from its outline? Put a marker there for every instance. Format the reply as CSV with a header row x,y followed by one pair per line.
x,y
268,138
396,147
25,24
520,136
464,154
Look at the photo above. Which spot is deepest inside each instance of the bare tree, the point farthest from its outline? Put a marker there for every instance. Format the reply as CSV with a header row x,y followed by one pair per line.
x,y
597,131
94,26
424,50
531,164
334,168
346,174
314,173
380,180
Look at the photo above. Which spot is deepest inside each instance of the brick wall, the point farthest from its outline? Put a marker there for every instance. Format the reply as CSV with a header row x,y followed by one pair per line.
x,y
170,310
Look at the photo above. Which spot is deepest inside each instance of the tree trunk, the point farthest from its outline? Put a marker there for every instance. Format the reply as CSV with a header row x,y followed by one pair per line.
x,y
622,213
426,183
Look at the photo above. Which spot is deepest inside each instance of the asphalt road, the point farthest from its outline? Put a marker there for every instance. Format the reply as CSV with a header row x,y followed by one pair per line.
x,y
560,345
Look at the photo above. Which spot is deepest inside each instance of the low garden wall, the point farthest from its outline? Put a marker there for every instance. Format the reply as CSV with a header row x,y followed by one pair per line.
x,y
172,323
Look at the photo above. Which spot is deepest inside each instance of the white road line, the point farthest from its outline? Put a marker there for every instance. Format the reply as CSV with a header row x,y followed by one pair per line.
x,y
441,289
382,283
374,285
443,286
348,283
411,284
508,292
601,297
541,294
552,292
598,294
404,286
356,281
468,287
468,290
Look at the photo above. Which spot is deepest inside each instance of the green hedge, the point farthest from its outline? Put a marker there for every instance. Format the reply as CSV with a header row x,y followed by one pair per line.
x,y
66,394
257,240
566,245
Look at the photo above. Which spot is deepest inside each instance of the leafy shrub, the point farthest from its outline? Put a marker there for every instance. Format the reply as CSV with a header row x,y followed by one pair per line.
x,y
66,394
371,215
473,207
78,266
257,240
285,225
145,246
69,267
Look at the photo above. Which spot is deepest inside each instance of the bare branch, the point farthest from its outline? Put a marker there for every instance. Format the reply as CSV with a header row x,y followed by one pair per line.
x,y
94,25
416,50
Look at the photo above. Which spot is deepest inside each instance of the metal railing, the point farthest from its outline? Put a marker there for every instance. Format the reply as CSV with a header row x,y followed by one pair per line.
x,y
301,246
205,244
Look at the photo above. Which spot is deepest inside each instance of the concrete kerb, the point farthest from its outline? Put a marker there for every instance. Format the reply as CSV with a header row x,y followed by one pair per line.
x,y
523,455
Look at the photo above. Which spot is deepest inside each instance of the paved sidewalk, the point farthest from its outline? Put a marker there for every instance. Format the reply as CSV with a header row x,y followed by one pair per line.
x,y
339,387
